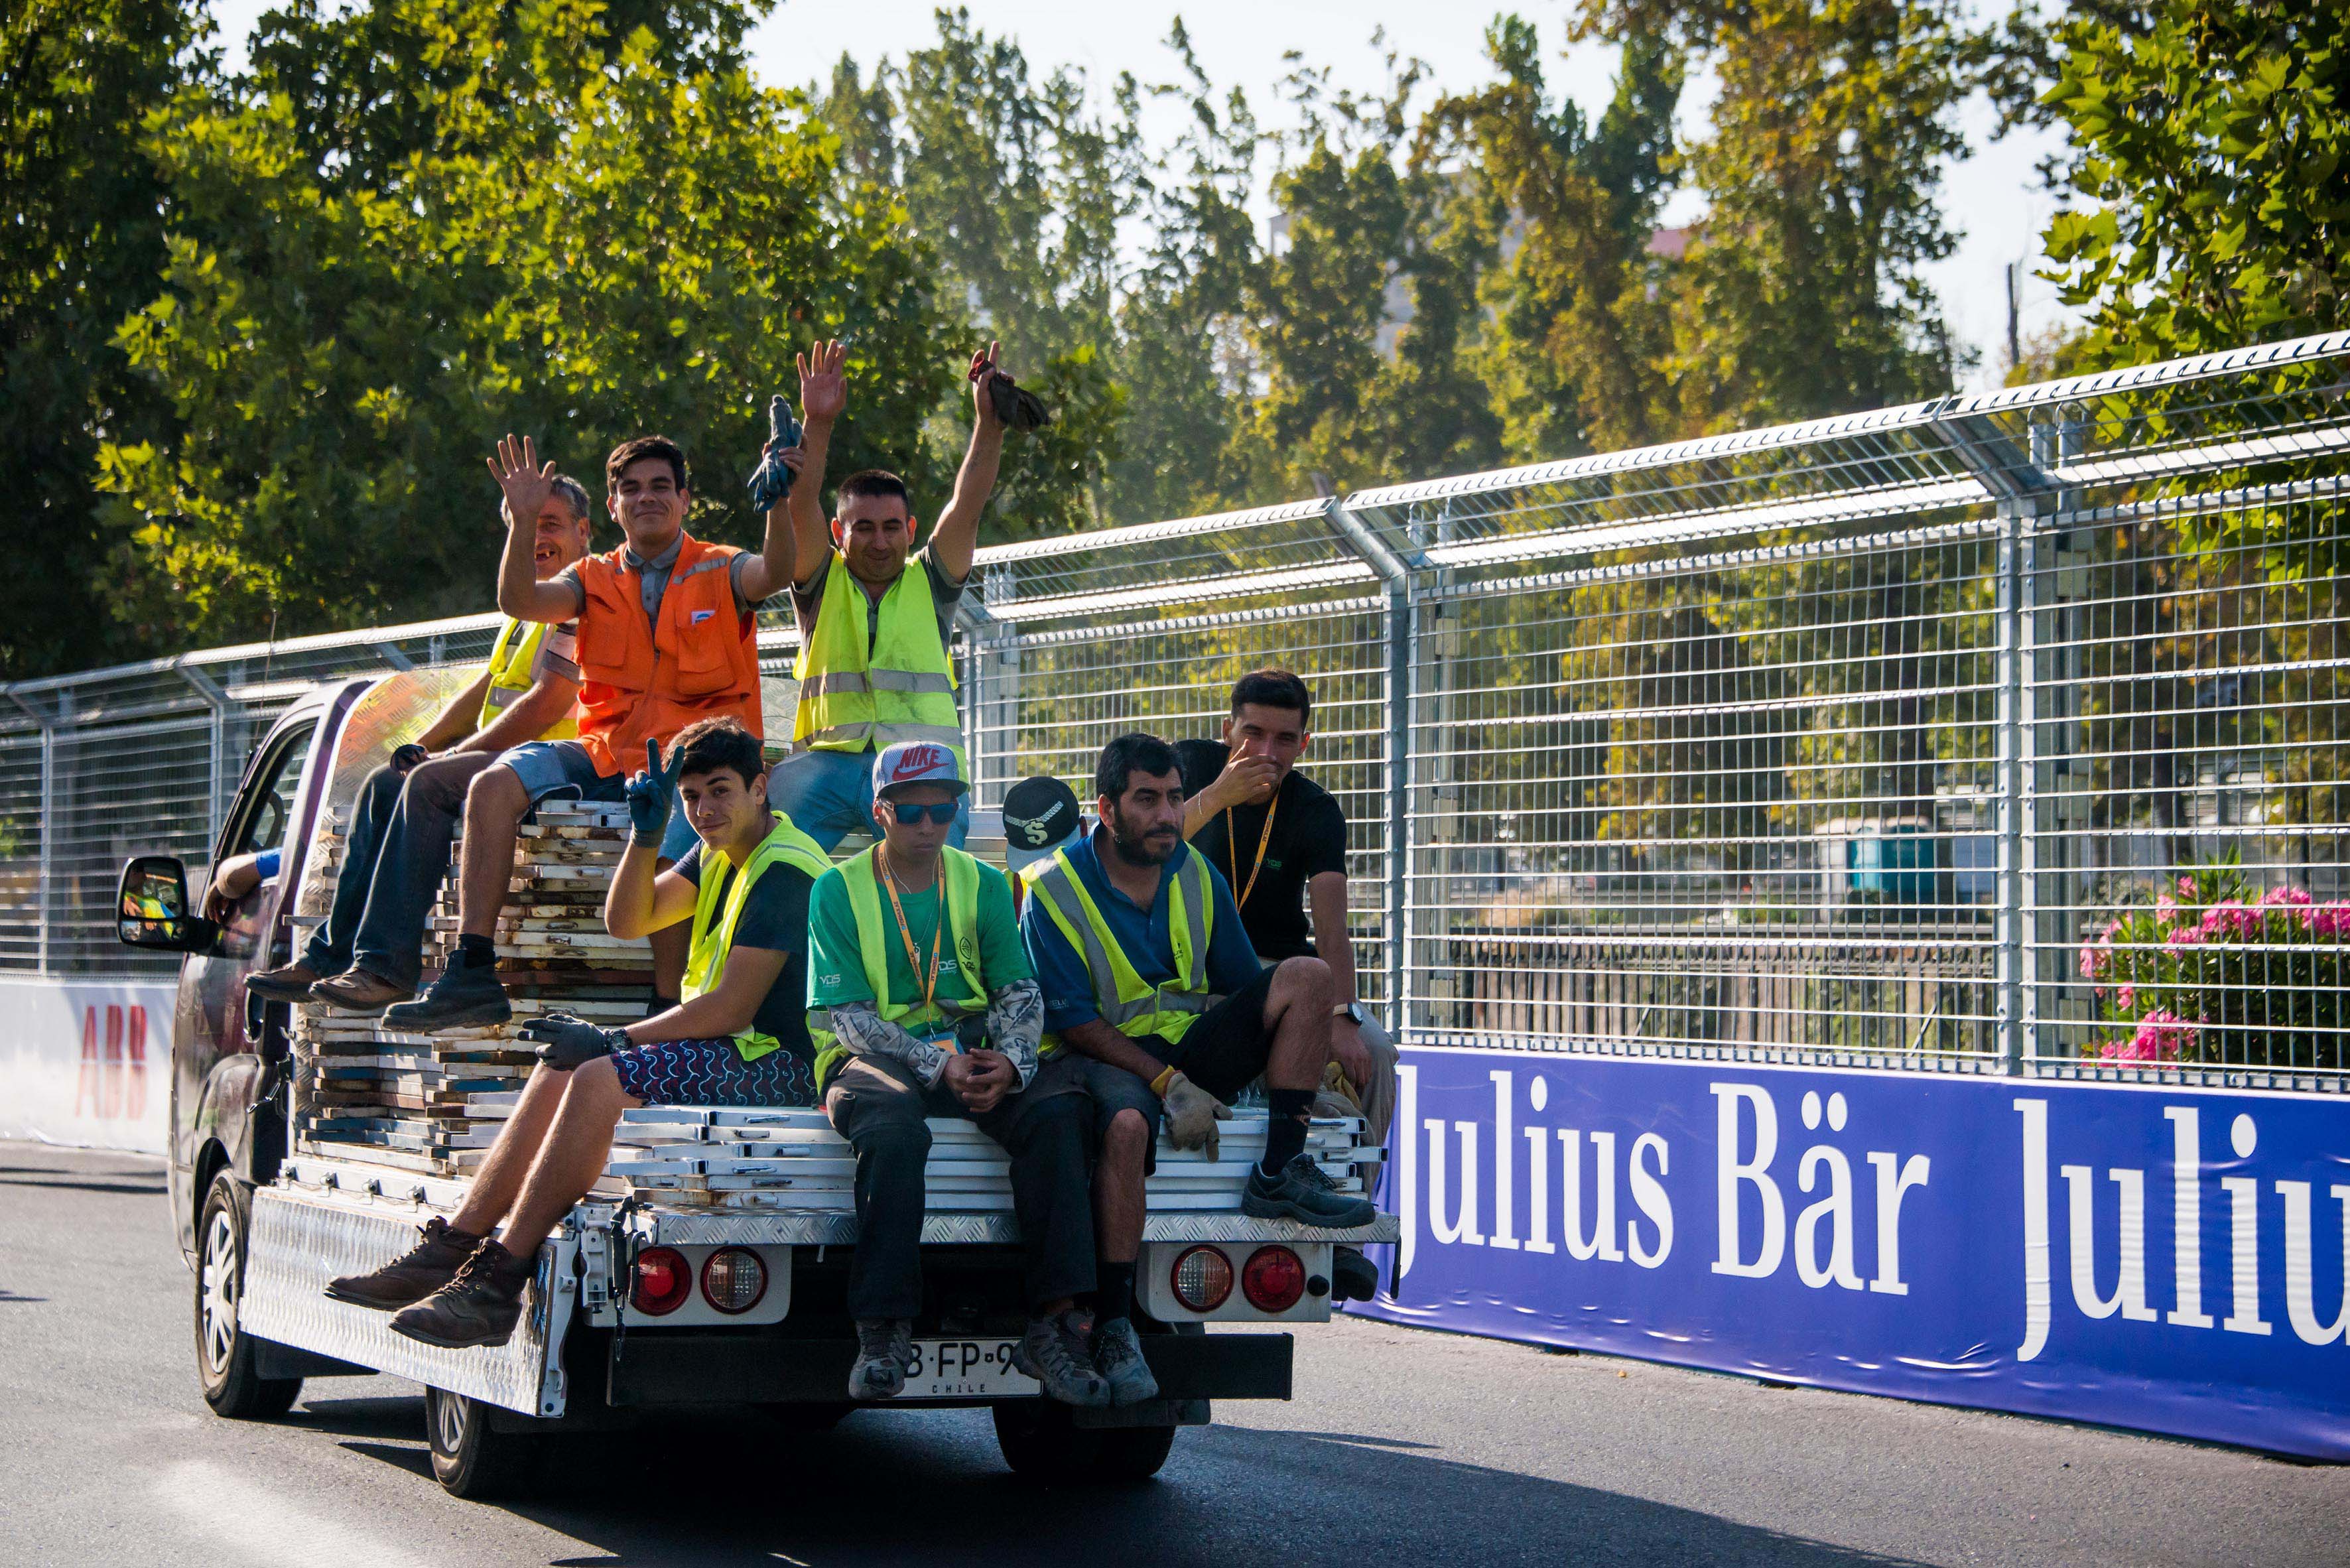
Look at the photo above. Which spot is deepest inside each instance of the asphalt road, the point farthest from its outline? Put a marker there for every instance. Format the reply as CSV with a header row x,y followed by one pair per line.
x,y
1404,1448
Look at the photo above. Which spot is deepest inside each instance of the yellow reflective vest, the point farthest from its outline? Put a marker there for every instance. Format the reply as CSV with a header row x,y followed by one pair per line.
x,y
853,699
714,922
861,874
513,660
1127,1002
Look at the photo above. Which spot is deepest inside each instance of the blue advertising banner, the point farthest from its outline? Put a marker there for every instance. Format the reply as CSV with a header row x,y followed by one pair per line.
x,y
2172,1260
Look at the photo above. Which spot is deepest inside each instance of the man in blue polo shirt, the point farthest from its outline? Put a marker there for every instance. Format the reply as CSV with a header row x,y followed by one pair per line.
x,y
1147,972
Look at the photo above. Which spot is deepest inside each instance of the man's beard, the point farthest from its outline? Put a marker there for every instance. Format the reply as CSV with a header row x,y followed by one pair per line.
x,y
1138,850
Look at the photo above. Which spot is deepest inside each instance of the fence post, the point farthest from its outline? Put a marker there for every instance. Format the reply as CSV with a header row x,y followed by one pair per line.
x,y
1395,572
48,831
217,700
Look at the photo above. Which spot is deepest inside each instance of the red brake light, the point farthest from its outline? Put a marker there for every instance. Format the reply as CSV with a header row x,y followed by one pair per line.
x,y
1202,1278
734,1279
662,1282
1272,1279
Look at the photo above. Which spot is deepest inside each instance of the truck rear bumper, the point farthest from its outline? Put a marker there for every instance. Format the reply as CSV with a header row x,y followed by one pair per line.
x,y
656,1369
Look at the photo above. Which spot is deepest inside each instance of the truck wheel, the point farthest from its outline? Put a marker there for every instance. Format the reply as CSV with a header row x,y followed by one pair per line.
x,y
225,1357
470,1459
1040,1441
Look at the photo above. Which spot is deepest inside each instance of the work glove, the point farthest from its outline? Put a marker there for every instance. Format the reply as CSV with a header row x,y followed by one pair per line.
x,y
649,796
1016,407
405,758
773,481
1192,1114
565,1042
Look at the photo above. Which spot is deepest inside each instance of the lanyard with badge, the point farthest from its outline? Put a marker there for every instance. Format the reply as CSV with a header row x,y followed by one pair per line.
x,y
1263,842
927,981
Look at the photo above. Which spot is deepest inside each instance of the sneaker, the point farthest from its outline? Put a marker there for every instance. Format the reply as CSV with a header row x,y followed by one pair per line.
x,y
1118,1356
1054,1353
1353,1277
356,990
1302,1192
465,996
479,1306
885,1349
290,983
416,1274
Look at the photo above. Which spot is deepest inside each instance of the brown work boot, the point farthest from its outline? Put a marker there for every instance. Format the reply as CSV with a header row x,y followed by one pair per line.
x,y
479,1306
424,1268
356,990
290,983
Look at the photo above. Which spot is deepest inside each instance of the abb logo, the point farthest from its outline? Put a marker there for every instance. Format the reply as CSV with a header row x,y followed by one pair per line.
x,y
114,1081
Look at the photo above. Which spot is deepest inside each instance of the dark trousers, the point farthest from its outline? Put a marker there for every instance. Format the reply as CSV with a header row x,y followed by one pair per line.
x,y
328,951
403,869
879,1106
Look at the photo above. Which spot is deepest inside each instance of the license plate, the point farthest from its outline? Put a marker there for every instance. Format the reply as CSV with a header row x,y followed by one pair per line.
x,y
966,1370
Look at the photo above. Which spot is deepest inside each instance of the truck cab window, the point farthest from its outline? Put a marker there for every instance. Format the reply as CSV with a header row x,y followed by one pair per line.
x,y
268,804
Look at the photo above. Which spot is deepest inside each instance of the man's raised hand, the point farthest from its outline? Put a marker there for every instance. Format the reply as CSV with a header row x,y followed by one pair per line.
x,y
649,796
824,391
982,395
525,482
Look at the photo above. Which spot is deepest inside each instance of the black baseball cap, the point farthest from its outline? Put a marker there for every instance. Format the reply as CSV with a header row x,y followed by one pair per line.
x,y
1040,814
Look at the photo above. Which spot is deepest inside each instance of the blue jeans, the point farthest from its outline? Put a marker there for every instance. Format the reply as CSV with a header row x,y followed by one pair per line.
x,y
829,795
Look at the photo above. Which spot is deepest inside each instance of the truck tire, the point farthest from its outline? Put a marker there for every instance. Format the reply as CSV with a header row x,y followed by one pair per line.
x,y
1041,1442
471,1458
226,1355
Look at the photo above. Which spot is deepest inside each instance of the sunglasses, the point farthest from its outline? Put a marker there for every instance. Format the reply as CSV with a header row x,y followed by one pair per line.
x,y
909,814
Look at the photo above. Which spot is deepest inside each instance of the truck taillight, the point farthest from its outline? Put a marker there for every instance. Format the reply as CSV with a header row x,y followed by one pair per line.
x,y
734,1279
663,1280
1202,1279
1272,1279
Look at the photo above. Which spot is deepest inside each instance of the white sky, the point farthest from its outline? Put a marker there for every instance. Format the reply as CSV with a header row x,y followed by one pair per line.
x,y
1991,200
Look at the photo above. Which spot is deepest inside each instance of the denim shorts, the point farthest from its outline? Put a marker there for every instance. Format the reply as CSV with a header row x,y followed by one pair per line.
x,y
551,769
712,1073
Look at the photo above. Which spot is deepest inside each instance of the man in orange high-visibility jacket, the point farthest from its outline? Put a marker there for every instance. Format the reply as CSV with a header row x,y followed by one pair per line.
x,y
668,636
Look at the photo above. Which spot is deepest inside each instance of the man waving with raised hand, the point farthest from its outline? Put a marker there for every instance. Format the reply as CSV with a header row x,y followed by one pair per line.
x,y
874,613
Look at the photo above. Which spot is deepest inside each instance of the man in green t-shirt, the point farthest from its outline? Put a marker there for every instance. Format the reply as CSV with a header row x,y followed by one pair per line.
x,y
921,1003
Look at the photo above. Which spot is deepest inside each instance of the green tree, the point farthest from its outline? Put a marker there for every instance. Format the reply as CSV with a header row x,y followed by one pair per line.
x,y
2210,148
585,250
1802,293
84,243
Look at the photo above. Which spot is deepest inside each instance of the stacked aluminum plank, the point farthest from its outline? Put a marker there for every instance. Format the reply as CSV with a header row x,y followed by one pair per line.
x,y
434,1103
791,1159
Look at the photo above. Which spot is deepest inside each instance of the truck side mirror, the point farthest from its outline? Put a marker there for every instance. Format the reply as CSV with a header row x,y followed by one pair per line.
x,y
151,908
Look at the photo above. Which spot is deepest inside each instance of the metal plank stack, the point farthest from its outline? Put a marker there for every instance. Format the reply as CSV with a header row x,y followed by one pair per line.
x,y
791,1159
434,1103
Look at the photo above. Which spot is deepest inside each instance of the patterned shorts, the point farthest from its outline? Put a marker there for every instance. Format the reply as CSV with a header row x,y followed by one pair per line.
x,y
712,1073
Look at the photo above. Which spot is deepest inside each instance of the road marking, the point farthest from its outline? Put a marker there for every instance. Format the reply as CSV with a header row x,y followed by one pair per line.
x,y
264,1525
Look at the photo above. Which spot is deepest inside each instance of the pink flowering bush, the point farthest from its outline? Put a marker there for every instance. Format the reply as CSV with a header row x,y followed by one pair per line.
x,y
2211,972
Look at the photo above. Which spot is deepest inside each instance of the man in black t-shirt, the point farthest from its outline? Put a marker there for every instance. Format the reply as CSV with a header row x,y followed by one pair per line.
x,y
1280,839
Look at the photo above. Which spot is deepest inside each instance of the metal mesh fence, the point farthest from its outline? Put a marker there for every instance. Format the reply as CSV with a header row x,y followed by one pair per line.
x,y
1998,733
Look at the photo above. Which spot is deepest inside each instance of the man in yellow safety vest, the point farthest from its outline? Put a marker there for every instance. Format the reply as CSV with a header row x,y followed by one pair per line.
x,y
739,1037
406,812
921,1004
1147,970
874,613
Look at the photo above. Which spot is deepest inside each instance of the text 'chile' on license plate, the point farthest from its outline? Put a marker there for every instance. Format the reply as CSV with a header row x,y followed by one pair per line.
x,y
966,1370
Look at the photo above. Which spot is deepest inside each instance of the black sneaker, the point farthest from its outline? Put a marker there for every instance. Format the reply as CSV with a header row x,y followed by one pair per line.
x,y
1353,1277
479,1306
424,1268
1302,1192
466,996
885,1349
1118,1356
1054,1353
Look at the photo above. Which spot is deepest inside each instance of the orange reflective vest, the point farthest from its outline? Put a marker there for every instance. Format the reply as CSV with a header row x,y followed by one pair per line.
x,y
639,683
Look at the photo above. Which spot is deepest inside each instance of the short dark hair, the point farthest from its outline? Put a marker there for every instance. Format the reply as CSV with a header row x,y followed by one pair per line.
x,y
1274,688
709,745
1128,756
641,448
878,484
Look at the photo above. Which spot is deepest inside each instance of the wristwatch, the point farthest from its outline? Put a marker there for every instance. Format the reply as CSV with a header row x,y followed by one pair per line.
x,y
1349,1009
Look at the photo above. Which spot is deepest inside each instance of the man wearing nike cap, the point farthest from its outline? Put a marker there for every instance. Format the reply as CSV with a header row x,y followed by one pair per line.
x,y
921,1003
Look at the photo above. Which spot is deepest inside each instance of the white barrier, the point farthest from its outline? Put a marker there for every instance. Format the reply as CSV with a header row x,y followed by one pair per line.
x,y
86,1063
